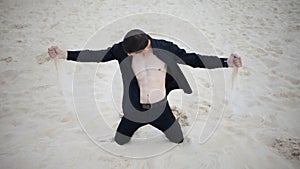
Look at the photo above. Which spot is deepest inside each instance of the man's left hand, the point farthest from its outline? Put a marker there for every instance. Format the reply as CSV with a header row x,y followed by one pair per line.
x,y
234,61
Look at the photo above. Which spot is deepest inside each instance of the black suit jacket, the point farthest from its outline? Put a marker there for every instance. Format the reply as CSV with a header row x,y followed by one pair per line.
x,y
167,51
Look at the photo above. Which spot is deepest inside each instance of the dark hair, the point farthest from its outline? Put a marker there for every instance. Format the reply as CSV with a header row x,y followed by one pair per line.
x,y
135,40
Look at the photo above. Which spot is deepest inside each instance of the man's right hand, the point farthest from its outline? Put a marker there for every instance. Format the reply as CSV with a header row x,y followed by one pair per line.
x,y
56,53
234,61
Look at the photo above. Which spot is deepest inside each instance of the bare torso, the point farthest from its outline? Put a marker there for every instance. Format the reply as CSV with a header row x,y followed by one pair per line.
x,y
150,72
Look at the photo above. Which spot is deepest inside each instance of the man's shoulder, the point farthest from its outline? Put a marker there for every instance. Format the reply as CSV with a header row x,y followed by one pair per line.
x,y
161,43
117,49
117,45
165,45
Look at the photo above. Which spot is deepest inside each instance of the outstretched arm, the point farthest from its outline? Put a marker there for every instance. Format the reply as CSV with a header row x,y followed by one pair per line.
x,y
81,56
202,61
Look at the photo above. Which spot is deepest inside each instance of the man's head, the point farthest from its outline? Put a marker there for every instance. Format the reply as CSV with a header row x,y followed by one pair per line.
x,y
135,41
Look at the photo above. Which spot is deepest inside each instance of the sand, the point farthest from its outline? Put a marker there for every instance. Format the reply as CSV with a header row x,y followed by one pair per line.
x,y
254,124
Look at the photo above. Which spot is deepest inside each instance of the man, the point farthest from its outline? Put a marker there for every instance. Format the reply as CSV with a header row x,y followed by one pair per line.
x,y
150,70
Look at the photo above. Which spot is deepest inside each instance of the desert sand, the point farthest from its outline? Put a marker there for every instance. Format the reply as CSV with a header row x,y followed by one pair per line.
x,y
49,119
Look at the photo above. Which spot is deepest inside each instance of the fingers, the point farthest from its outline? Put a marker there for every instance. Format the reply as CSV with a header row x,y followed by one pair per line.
x,y
236,60
240,62
57,53
234,55
56,48
52,52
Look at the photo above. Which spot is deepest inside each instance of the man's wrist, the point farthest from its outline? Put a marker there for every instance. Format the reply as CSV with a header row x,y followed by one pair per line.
x,y
66,54
224,62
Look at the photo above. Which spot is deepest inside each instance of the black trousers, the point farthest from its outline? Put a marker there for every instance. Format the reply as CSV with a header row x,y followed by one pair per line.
x,y
166,123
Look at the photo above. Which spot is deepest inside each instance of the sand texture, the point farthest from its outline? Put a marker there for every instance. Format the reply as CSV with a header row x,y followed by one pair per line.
x,y
252,124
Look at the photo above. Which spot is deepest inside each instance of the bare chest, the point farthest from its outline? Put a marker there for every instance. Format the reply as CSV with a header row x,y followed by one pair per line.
x,y
147,65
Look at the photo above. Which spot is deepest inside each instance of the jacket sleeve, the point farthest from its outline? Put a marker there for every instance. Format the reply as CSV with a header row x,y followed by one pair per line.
x,y
196,60
91,55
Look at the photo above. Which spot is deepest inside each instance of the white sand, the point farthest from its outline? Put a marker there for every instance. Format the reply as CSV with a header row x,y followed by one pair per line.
x,y
39,127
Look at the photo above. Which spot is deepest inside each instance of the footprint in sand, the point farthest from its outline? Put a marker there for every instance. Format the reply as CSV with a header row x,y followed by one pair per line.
x,y
7,59
21,26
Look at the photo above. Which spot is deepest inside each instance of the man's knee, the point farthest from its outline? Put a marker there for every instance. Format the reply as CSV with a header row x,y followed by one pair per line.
x,y
121,138
174,133
178,139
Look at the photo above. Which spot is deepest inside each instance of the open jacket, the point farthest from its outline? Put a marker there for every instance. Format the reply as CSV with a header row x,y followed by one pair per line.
x,y
166,51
